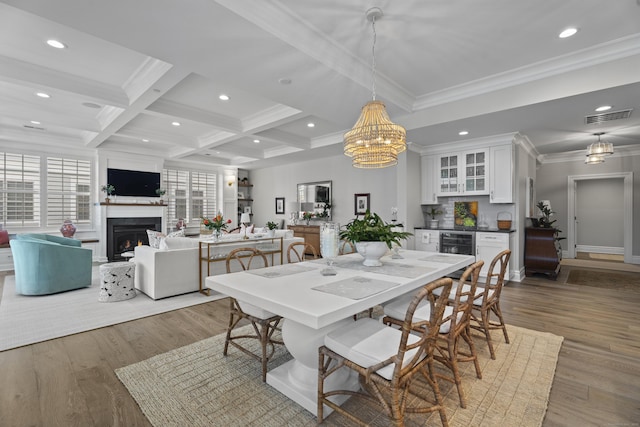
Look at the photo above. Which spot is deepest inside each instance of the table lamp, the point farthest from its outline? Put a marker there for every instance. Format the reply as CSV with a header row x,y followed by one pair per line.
x,y
245,219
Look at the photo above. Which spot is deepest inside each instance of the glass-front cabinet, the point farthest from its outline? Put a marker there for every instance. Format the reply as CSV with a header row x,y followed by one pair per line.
x,y
463,173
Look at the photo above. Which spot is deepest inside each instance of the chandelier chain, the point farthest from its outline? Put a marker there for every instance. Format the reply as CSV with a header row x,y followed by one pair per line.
x,y
373,54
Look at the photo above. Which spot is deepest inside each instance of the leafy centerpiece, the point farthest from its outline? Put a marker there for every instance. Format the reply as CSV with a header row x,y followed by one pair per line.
x,y
372,237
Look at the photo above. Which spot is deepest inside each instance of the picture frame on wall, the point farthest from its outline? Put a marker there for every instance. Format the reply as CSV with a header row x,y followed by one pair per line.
x,y
247,209
240,195
361,203
279,205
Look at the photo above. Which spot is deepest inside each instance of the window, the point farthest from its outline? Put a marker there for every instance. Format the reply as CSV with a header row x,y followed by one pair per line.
x,y
68,191
192,194
19,190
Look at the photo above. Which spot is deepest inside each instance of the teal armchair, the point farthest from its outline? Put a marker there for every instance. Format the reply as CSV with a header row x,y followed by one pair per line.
x,y
46,264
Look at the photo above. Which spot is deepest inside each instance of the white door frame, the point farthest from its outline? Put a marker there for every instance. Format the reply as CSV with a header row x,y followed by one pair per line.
x,y
628,209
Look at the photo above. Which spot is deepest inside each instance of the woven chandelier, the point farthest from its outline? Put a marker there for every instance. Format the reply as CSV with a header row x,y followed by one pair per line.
x,y
374,141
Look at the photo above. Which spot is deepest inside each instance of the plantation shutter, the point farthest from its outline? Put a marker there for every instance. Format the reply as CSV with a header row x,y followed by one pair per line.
x,y
20,190
68,191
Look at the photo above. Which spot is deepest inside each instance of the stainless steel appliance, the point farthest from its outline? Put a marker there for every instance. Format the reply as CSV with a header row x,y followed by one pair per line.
x,y
458,242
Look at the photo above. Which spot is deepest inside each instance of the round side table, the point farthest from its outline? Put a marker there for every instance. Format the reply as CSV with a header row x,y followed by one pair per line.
x,y
117,281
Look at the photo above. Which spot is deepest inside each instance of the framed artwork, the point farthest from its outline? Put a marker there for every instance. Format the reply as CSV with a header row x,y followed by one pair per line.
x,y
361,202
240,195
531,197
279,205
247,209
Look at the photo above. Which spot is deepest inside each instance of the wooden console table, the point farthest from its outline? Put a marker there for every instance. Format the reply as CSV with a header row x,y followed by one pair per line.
x,y
310,234
208,254
542,253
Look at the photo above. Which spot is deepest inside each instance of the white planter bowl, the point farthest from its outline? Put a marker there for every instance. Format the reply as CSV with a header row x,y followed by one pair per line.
x,y
372,252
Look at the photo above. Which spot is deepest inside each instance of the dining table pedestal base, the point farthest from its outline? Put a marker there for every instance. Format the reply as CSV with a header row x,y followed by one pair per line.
x,y
298,378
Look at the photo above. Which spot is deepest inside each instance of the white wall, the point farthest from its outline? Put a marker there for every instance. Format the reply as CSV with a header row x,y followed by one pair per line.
x,y
382,184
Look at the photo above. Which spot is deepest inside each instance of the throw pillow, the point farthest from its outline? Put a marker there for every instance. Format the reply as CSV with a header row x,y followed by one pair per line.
x,y
179,233
4,237
154,238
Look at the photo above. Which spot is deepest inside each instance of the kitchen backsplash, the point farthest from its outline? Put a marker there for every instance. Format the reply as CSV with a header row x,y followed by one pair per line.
x,y
486,211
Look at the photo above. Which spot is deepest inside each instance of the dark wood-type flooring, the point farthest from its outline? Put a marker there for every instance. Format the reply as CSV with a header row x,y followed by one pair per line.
x,y
70,381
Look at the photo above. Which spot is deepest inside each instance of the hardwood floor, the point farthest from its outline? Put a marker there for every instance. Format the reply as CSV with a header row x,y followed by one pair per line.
x,y
70,381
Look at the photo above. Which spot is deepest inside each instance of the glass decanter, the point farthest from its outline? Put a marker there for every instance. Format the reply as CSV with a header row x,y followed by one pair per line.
x,y
329,238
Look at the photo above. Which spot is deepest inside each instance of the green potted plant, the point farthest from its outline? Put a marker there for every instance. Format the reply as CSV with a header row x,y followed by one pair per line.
x,y
271,226
433,212
161,192
372,237
108,189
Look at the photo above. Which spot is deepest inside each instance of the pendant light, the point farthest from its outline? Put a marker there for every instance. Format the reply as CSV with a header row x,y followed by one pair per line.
x,y
600,148
374,141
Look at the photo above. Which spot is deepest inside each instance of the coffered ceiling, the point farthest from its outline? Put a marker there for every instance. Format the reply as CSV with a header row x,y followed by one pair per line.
x,y
132,68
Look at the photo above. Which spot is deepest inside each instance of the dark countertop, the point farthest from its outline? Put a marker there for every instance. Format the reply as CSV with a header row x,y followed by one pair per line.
x,y
488,230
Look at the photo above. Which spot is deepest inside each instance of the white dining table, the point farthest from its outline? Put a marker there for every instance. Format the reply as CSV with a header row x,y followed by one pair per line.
x,y
313,305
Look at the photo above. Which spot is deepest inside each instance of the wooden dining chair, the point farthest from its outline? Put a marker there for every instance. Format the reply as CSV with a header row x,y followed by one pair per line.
x,y
489,301
455,328
263,322
346,247
394,366
300,251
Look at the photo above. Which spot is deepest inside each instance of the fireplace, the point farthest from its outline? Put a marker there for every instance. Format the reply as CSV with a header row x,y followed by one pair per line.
x,y
124,234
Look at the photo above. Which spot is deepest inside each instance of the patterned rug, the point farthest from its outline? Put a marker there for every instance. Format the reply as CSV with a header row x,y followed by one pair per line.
x,y
197,386
604,279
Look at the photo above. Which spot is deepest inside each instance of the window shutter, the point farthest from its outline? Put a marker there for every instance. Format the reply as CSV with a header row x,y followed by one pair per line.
x,y
68,191
20,190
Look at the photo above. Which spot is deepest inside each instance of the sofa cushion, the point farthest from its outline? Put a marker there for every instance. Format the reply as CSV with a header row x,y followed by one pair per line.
x,y
155,238
169,243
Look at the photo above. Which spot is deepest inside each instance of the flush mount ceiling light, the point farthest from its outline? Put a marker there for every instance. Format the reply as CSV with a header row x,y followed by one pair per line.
x,y
599,149
463,132
223,97
57,44
567,33
374,141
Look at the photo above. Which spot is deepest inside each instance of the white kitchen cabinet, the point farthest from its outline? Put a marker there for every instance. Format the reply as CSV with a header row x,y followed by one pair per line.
x,y
427,240
501,174
488,245
429,180
463,173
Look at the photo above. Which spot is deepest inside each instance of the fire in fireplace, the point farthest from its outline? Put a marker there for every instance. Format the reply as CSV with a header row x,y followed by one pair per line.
x,y
124,234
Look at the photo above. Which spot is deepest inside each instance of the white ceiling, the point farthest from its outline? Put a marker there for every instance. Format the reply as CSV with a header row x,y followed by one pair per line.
x,y
486,66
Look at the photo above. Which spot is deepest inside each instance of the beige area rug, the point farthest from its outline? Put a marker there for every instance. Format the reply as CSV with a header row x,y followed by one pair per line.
x,y
604,279
197,386
30,319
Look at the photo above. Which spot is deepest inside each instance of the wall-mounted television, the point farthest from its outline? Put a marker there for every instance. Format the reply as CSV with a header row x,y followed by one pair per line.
x,y
134,183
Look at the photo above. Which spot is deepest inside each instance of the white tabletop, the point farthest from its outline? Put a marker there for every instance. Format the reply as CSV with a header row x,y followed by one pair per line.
x,y
288,290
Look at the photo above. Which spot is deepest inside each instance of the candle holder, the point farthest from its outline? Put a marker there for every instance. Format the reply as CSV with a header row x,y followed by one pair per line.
x,y
329,238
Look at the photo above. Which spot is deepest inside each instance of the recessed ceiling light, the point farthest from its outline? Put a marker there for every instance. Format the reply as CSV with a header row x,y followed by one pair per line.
x,y
57,44
284,81
257,141
175,123
223,97
567,33
35,122
311,125
43,95
145,140
463,132
604,108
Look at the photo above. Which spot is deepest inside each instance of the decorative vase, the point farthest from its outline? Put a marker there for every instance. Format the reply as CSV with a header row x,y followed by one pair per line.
x,y
107,200
434,223
306,221
372,252
216,235
68,229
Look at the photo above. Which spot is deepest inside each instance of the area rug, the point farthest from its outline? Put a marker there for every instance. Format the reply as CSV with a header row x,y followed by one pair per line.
x,y
30,319
604,279
197,386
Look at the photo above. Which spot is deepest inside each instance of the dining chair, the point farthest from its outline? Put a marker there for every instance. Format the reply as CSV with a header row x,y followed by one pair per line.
x,y
455,329
394,365
346,247
489,301
263,322
300,251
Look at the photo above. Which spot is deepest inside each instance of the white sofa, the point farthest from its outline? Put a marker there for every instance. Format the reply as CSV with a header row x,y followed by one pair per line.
x,y
173,270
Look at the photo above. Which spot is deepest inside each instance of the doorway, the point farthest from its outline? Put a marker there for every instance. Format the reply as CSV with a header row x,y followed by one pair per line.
x,y
593,210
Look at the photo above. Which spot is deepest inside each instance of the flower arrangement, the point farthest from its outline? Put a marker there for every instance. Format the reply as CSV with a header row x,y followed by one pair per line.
x,y
307,215
217,223
108,189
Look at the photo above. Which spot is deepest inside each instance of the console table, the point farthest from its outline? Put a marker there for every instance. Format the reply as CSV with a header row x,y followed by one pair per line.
x,y
310,233
542,253
214,251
